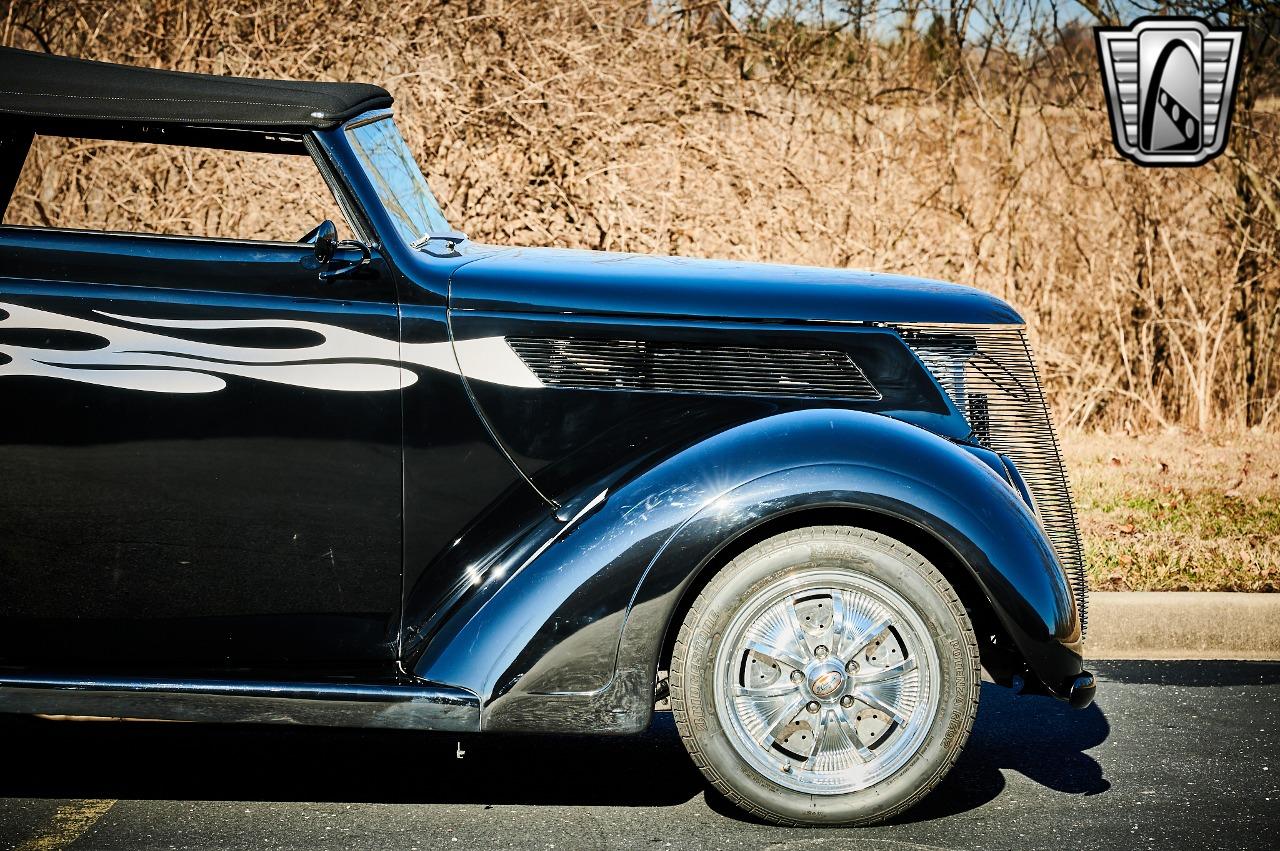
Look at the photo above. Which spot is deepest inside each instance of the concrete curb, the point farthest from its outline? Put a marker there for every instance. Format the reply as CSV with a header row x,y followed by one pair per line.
x,y
1183,625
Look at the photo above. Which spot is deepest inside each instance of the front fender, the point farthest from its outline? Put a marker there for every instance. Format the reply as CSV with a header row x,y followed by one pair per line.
x,y
571,639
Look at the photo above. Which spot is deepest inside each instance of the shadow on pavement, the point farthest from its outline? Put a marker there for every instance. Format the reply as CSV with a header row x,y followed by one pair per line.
x,y
1039,737
147,760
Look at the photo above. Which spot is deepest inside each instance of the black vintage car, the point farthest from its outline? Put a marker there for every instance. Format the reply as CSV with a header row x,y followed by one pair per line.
x,y
407,480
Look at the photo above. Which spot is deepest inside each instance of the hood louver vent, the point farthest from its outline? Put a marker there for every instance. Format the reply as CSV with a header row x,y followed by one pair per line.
x,y
675,368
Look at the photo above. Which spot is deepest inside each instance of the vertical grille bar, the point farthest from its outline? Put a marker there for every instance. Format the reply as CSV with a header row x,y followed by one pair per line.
x,y
991,376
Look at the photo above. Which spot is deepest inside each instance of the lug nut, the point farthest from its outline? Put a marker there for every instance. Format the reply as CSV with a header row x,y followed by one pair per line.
x,y
821,651
846,701
852,667
797,677
813,706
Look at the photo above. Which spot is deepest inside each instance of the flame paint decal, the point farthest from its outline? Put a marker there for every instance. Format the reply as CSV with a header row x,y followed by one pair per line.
x,y
344,360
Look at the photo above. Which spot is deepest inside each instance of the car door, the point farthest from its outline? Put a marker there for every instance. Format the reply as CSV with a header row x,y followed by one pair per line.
x,y
200,455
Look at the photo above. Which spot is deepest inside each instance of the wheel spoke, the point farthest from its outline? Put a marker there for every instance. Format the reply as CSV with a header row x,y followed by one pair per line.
x,y
819,739
822,737
887,674
797,631
775,653
851,734
859,643
780,690
837,620
876,703
788,715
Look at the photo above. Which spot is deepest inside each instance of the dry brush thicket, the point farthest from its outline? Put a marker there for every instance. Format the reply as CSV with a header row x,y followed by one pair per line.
x,y
966,141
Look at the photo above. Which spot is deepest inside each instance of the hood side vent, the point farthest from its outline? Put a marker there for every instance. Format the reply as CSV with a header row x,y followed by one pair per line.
x,y
641,365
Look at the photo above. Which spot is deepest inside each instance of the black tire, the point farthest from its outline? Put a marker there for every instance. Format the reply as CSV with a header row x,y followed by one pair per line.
x,y
918,582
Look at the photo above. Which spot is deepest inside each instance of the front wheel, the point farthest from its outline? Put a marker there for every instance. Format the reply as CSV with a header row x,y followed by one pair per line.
x,y
828,675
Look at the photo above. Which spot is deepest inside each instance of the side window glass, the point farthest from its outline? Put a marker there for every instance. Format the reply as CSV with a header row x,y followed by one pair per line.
x,y
136,187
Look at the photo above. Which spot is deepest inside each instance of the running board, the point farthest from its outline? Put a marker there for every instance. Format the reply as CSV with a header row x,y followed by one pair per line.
x,y
413,707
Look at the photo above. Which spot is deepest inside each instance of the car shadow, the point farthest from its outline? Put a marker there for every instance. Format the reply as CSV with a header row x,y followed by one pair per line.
x,y
178,761
1041,738
1038,737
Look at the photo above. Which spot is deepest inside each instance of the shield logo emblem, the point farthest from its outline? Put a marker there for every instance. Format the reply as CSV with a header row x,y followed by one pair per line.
x,y
1170,85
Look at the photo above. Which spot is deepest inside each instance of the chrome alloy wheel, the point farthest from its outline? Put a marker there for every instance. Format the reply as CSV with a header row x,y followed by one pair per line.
x,y
828,681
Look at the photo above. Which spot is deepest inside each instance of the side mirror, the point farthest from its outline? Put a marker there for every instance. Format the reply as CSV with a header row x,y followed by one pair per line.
x,y
326,241
324,237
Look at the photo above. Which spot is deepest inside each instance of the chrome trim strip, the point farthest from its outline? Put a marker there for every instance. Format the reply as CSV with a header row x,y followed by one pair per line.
x,y
367,118
953,327
416,707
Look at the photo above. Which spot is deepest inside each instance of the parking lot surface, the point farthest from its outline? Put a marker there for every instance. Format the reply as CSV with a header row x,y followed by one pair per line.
x,y
1173,754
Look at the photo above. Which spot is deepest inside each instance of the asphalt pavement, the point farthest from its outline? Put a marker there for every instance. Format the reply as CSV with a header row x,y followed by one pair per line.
x,y
1172,754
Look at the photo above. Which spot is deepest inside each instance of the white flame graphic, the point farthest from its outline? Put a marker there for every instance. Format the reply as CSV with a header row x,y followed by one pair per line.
x,y
136,359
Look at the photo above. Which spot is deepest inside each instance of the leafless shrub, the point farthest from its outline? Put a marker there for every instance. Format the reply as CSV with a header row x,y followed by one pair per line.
x,y
965,140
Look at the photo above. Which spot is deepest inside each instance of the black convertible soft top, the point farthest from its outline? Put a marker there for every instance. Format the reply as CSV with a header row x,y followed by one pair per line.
x,y
42,86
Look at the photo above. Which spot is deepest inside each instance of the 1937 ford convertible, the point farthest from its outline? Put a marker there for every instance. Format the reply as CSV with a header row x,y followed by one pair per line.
x,y
408,480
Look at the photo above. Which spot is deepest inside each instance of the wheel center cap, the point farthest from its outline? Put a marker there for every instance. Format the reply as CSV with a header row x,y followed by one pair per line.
x,y
826,682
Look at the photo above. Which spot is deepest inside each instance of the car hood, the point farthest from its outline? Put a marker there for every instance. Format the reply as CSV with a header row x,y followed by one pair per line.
x,y
562,281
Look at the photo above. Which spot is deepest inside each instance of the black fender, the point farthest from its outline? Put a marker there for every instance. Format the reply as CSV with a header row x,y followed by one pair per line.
x,y
570,638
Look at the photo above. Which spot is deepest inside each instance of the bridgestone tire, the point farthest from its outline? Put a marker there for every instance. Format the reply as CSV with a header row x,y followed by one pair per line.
x,y
703,721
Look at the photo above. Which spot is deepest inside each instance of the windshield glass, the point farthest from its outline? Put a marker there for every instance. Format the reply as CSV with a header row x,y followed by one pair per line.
x,y
396,177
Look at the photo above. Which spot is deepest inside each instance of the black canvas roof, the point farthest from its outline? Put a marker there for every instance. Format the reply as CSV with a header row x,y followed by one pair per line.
x,y
44,86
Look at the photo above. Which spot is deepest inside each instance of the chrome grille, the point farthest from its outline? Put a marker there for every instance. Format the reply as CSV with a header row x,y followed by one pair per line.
x,y
674,368
991,376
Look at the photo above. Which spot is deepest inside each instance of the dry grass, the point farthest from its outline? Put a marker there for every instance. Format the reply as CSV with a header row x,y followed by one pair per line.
x,y
1177,511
